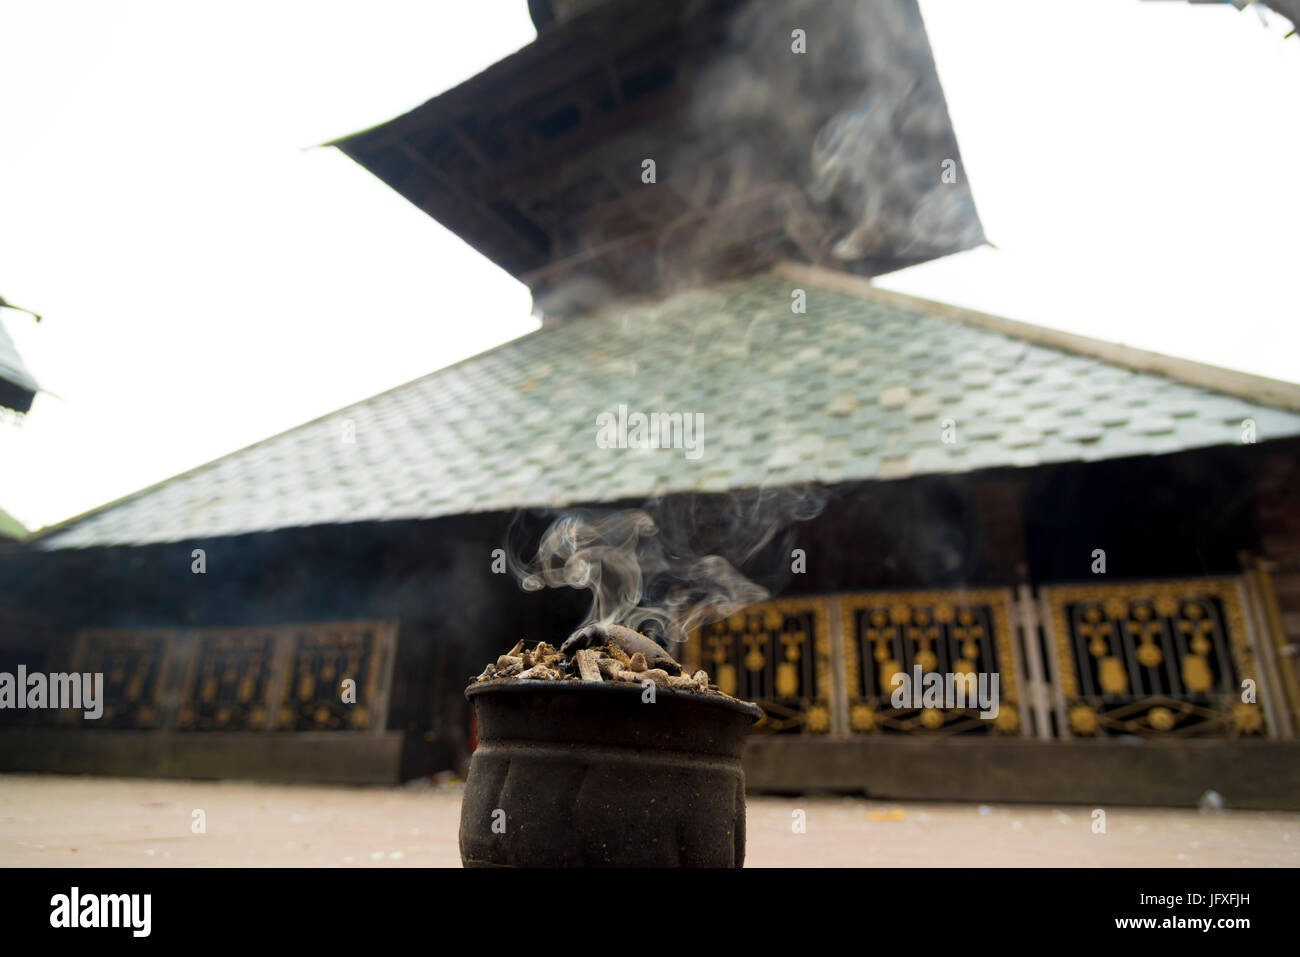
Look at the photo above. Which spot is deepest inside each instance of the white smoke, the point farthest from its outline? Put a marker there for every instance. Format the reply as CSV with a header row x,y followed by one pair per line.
x,y
649,572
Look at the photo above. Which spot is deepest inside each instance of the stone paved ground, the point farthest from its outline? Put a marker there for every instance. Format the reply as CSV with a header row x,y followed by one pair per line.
x,y
61,821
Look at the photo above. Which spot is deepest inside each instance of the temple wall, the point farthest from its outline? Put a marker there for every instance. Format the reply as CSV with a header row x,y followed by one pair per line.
x,y
240,664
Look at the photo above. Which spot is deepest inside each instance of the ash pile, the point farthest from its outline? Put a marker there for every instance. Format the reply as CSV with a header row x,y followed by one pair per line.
x,y
597,653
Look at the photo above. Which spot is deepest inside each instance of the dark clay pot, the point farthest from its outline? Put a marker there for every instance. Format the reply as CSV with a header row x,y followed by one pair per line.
x,y
589,775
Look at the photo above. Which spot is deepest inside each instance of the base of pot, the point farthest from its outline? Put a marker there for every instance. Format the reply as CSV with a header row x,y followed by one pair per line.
x,y
588,774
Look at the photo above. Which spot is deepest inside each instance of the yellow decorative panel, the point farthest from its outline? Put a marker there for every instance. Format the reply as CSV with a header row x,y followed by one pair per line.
x,y
133,662
941,632
776,654
228,681
1157,659
321,659
288,677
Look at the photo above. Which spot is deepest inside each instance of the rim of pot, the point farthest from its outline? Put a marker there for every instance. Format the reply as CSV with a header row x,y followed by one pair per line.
x,y
753,711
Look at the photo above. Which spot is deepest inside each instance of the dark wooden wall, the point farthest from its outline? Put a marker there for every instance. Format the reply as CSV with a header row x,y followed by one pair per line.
x,y
1166,516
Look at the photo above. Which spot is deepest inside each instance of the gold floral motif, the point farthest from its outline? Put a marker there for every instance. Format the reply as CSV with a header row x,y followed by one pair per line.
x,y
1083,719
1116,608
1161,718
1148,655
819,719
1246,717
862,718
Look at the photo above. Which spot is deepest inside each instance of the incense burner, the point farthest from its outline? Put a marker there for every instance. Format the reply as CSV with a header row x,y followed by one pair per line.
x,y
585,774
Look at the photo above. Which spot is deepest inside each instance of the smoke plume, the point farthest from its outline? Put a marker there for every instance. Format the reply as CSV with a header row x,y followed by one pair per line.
x,y
859,119
676,564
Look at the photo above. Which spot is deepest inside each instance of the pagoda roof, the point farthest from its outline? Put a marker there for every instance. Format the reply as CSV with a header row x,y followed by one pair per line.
x,y
842,155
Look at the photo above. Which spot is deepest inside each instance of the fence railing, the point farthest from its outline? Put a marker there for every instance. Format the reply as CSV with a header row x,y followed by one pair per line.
x,y
276,678
1180,658
1174,658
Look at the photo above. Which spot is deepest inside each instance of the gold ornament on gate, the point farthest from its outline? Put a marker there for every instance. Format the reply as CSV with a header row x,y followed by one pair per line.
x,y
1196,673
787,680
1110,674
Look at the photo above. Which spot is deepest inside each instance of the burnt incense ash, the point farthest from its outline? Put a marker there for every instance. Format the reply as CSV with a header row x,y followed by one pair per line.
x,y
597,653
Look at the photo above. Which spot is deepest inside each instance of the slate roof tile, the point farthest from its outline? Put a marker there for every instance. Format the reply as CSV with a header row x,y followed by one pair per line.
x,y
857,389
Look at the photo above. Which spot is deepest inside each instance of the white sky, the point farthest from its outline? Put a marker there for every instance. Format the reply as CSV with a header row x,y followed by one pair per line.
x,y
206,281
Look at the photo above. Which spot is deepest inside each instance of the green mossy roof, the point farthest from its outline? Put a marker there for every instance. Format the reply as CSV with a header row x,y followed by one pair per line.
x,y
853,389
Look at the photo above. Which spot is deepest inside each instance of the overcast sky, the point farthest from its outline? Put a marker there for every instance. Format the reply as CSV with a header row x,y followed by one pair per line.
x,y
208,280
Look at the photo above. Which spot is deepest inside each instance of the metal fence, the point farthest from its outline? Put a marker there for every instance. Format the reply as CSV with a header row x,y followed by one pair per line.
x,y
283,677
1193,657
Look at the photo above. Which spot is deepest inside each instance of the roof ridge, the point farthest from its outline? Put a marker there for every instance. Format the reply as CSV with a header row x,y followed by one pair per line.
x,y
1277,393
